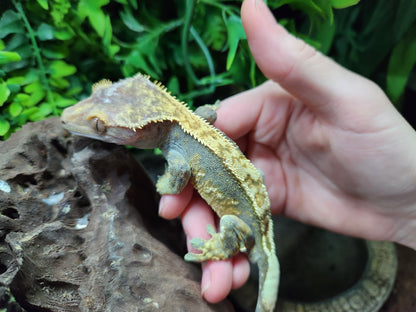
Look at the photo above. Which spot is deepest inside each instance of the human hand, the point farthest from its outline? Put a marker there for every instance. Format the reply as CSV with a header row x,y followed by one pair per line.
x,y
334,151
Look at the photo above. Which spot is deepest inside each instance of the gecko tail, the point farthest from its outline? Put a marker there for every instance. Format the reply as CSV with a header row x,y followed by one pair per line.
x,y
269,275
264,254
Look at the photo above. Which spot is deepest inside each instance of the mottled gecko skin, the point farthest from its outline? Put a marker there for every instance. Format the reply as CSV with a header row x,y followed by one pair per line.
x,y
137,112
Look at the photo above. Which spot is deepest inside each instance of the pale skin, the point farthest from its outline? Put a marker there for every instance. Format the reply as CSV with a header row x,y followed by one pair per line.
x,y
334,150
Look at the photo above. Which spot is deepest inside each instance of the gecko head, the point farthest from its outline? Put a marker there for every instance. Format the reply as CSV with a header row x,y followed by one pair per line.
x,y
126,113
83,120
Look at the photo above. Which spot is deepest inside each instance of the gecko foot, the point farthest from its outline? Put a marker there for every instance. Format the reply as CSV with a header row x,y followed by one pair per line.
x,y
234,237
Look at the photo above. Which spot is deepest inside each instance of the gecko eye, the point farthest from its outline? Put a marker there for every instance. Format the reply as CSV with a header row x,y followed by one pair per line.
x,y
98,125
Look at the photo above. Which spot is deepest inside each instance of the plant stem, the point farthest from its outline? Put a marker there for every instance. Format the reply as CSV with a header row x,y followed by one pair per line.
x,y
189,12
43,75
207,55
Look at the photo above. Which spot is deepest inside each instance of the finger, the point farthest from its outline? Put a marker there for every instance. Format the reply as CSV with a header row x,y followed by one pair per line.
x,y
225,275
298,68
217,279
217,276
172,206
195,219
241,270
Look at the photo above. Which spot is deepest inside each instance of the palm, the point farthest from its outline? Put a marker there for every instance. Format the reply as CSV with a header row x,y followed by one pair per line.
x,y
319,171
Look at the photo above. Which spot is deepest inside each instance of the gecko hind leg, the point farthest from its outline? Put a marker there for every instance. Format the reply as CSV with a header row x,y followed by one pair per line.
x,y
234,236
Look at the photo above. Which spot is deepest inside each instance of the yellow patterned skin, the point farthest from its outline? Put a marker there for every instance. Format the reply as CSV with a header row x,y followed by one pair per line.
x,y
137,112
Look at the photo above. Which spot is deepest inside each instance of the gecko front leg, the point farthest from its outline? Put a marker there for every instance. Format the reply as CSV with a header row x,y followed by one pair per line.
x,y
233,237
208,111
176,176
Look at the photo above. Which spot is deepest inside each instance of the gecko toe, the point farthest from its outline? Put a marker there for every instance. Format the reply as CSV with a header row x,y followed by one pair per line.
x,y
197,243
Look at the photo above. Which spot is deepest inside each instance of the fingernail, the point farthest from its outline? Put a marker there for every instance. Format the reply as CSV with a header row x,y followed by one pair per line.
x,y
267,14
161,206
206,281
256,3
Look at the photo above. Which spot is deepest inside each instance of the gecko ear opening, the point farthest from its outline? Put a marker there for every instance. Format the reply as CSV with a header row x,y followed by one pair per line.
x,y
97,125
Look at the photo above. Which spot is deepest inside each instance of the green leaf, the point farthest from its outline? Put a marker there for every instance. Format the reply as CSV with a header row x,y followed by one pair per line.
x,y
98,22
59,51
316,9
407,12
341,4
136,61
173,85
27,112
63,33
235,34
144,55
108,34
401,63
10,23
60,69
36,91
74,90
215,35
59,82
19,43
24,78
60,9
324,34
63,102
4,93
133,3
8,57
45,32
4,126
23,99
41,112
92,10
113,49
15,109
43,4
14,88
384,25
129,20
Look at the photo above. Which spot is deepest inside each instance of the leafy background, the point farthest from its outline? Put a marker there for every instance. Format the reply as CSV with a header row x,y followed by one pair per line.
x,y
51,51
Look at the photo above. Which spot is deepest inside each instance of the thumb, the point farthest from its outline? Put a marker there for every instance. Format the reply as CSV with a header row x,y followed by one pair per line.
x,y
305,73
